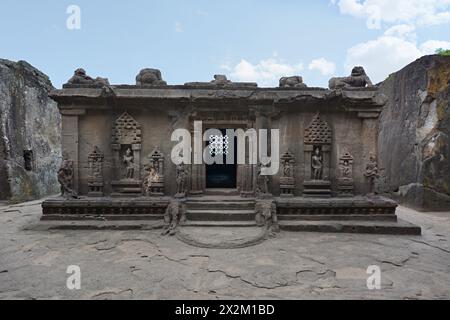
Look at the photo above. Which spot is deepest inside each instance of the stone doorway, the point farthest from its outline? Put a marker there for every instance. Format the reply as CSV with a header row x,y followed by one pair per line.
x,y
222,176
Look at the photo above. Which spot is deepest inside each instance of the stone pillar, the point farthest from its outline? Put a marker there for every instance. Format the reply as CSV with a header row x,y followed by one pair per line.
x,y
369,132
198,176
70,140
370,142
246,180
261,122
117,168
137,160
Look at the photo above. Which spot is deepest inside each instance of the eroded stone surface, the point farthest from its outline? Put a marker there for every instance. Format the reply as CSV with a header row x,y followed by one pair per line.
x,y
145,265
414,135
30,133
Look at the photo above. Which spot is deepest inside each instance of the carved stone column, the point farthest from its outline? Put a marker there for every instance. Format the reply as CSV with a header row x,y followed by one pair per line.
x,y
345,184
197,179
198,171
70,138
154,180
95,180
287,178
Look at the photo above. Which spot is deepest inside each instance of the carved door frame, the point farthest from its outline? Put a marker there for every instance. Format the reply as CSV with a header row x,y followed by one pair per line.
x,y
198,172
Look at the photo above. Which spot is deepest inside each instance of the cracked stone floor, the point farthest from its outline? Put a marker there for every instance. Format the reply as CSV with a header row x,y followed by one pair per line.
x,y
145,265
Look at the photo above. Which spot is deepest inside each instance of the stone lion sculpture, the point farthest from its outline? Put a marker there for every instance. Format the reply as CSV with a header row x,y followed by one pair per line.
x,y
292,82
150,77
358,79
175,214
80,77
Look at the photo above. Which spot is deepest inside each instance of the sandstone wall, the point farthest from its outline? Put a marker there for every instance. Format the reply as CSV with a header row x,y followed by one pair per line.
x,y
414,138
29,123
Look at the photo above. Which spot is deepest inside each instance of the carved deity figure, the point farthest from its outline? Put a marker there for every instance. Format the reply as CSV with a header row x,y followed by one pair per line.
x,y
371,167
346,169
358,79
96,168
172,217
262,186
181,180
96,163
65,179
152,178
372,171
128,160
317,164
287,169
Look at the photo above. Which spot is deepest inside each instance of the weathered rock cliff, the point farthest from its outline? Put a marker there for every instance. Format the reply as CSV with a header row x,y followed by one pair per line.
x,y
30,129
414,140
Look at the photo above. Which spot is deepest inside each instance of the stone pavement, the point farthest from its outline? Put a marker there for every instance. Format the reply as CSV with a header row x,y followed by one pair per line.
x,y
146,265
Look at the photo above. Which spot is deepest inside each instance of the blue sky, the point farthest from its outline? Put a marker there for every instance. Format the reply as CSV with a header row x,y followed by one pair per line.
x,y
249,40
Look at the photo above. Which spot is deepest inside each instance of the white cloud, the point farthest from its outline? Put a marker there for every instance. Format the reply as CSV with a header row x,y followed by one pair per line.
x,y
322,65
389,53
416,12
431,46
266,72
404,31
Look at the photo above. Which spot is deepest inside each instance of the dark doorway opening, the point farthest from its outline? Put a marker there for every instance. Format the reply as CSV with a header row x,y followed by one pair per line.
x,y
222,176
28,159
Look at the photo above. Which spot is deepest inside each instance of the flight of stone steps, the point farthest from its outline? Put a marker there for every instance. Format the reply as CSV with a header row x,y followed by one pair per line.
x,y
229,211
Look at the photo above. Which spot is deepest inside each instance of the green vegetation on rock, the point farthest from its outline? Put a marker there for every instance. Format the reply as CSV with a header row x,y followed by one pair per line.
x,y
443,52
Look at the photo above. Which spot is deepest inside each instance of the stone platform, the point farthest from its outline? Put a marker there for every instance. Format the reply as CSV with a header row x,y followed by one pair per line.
x,y
370,215
104,209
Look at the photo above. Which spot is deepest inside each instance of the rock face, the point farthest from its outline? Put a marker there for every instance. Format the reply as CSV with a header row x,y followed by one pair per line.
x,y
414,139
30,133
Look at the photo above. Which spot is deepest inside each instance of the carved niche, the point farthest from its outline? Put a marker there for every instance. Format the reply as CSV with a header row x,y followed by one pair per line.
x,y
345,183
154,179
126,146
95,180
318,140
287,179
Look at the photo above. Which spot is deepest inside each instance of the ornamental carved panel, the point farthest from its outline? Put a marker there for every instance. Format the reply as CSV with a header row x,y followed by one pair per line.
x,y
318,132
126,130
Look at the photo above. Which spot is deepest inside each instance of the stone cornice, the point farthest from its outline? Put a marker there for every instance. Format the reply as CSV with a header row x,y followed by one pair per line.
x,y
88,97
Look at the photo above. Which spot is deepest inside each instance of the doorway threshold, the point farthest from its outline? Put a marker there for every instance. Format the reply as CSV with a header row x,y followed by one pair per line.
x,y
222,192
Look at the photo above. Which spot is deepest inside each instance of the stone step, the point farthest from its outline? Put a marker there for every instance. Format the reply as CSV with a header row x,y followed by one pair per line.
x,y
225,224
220,199
368,227
222,192
337,217
231,205
220,215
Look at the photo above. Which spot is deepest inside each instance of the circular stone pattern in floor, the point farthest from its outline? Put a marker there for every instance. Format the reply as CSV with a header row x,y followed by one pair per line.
x,y
222,238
